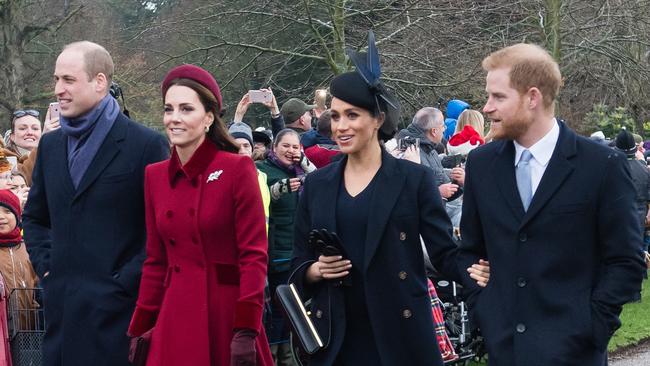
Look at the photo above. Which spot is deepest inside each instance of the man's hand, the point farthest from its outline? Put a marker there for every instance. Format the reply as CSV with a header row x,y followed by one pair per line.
x,y
273,104
458,176
447,190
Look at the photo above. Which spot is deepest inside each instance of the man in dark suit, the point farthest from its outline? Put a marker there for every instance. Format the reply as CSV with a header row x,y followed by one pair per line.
x,y
554,214
84,219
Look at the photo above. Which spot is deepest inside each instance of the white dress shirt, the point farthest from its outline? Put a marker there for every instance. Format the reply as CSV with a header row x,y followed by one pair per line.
x,y
541,151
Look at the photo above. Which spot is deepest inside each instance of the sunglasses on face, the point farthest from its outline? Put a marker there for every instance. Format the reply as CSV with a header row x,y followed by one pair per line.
x,y
26,112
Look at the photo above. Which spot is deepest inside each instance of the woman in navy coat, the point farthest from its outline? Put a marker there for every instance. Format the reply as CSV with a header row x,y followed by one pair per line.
x,y
379,207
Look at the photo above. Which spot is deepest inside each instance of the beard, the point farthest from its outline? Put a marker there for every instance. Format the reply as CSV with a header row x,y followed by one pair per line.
x,y
514,127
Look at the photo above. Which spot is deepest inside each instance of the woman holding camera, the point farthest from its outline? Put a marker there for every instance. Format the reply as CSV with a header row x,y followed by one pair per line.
x,y
202,285
379,206
285,167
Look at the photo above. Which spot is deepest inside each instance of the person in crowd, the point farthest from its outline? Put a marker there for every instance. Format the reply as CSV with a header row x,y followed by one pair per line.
x,y
25,132
83,222
17,272
277,119
640,153
243,135
5,172
286,167
18,186
320,101
428,126
472,118
553,213
318,144
262,143
297,115
454,108
203,279
364,318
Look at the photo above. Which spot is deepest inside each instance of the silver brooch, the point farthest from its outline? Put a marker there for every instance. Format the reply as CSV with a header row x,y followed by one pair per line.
x,y
214,175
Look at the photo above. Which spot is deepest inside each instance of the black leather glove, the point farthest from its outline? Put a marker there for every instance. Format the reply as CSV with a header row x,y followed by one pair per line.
x,y
242,348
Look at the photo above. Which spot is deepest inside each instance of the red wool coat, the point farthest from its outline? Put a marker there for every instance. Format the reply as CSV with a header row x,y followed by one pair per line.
x,y
206,260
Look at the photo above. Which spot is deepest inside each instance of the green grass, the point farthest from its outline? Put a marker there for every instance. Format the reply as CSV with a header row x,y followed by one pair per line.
x,y
636,322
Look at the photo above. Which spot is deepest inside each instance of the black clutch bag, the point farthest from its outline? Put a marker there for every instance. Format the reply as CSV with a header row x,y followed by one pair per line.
x,y
301,324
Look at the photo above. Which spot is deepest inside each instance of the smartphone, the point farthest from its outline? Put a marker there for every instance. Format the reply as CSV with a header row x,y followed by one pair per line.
x,y
13,161
54,110
260,96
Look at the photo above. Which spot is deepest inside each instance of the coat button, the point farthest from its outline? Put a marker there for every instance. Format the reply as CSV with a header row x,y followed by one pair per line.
x,y
169,214
407,314
403,275
319,314
521,328
195,240
195,182
523,237
172,242
402,236
116,275
177,268
191,211
521,282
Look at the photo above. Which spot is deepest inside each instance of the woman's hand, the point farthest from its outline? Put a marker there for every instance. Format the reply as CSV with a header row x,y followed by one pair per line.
x,y
273,104
242,108
412,153
328,268
480,272
294,184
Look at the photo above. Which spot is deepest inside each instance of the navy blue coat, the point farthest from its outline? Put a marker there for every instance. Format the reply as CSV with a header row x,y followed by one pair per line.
x,y
405,205
561,271
91,241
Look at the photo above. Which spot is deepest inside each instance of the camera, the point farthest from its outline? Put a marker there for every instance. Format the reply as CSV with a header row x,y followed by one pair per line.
x,y
407,141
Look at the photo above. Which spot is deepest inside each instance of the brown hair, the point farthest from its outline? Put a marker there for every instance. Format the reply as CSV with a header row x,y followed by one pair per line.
x,y
96,59
530,66
472,118
281,134
217,133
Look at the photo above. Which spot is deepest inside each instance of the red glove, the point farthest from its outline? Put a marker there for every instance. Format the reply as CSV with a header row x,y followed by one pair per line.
x,y
242,348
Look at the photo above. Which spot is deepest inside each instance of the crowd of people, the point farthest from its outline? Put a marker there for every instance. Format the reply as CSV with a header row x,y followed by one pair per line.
x,y
179,241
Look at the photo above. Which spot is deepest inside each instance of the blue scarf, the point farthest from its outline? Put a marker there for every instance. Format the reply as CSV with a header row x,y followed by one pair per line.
x,y
86,134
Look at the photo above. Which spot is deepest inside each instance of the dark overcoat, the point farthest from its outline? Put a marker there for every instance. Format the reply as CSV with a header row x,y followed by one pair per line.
x,y
561,271
91,242
405,205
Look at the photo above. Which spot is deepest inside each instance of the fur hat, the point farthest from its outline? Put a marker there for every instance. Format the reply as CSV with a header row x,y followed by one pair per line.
x,y
464,141
197,74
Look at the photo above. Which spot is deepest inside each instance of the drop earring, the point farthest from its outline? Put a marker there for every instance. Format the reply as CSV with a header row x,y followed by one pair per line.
x,y
207,129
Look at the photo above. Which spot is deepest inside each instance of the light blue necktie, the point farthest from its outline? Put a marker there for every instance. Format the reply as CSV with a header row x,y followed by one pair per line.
x,y
524,184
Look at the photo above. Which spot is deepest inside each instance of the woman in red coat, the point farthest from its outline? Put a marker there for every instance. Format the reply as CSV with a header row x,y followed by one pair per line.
x,y
203,280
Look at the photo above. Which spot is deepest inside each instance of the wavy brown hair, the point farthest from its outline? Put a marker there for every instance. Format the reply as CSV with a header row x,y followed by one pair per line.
x,y
217,133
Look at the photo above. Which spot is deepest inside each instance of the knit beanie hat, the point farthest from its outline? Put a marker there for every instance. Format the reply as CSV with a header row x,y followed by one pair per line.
x,y
9,200
625,142
464,141
241,130
197,74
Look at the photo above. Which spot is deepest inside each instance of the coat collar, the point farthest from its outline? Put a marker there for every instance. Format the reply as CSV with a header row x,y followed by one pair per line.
x,y
201,158
558,169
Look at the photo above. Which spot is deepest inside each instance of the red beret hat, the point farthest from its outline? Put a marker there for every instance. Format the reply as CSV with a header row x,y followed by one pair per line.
x,y
195,73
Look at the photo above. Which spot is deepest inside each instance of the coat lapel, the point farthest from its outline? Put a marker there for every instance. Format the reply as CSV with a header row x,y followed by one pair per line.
x,y
558,170
109,149
504,169
328,191
60,157
387,190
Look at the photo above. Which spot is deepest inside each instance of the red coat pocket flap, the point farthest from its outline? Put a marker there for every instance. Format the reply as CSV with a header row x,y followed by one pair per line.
x,y
227,274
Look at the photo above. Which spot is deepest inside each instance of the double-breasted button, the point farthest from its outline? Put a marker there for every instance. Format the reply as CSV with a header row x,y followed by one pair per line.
x,y
402,275
521,328
116,275
319,314
201,265
195,240
191,212
169,214
195,182
172,242
402,236
406,314
177,268
523,237
521,282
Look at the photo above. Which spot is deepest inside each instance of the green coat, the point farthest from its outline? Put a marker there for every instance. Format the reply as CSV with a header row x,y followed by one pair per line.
x,y
280,220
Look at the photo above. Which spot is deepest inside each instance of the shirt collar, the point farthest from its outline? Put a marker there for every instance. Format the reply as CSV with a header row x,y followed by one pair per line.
x,y
542,150
197,164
